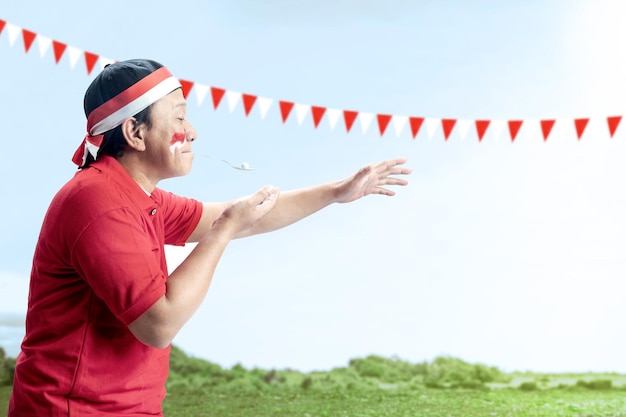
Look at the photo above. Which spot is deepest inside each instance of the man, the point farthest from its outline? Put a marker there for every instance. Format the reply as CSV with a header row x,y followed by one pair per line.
x,y
102,309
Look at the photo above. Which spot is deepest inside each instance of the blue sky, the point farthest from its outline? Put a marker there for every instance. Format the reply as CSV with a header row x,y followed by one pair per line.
x,y
509,254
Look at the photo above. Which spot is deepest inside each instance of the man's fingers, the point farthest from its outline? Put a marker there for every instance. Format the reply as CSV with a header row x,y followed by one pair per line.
x,y
267,194
392,167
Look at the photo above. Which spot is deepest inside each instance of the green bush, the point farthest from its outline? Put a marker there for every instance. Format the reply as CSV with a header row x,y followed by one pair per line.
x,y
7,368
392,370
452,372
596,384
528,386
200,371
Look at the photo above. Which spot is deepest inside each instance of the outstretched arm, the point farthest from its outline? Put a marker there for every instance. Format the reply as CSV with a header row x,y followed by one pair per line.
x,y
295,205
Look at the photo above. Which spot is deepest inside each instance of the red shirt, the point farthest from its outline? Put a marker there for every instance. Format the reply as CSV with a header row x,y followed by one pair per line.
x,y
98,265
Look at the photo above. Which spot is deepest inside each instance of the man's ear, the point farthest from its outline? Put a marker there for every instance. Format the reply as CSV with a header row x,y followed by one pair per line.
x,y
134,134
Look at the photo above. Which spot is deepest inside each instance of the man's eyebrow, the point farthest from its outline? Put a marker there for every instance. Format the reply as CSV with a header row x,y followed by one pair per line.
x,y
182,103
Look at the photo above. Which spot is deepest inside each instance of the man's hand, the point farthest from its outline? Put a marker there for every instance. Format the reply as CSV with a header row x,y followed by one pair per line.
x,y
371,180
243,213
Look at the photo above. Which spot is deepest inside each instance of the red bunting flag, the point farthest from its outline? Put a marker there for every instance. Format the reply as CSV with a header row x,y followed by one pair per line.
x,y
285,109
29,38
318,113
481,128
613,122
2,24
416,124
580,124
216,95
186,87
514,127
447,125
248,102
59,49
546,128
349,117
90,60
383,122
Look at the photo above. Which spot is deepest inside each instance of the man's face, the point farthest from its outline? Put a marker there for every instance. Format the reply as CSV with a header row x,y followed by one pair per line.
x,y
168,142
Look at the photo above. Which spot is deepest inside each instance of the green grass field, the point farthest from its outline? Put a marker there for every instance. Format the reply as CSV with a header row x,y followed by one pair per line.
x,y
381,387
197,402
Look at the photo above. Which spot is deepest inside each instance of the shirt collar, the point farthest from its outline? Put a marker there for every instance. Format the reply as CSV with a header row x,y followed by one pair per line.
x,y
111,167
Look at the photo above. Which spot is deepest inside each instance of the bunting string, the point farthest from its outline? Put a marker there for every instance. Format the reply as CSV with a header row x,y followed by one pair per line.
x,y
463,127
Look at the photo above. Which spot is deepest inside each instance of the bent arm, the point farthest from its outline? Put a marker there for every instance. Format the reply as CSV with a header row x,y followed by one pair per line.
x,y
189,283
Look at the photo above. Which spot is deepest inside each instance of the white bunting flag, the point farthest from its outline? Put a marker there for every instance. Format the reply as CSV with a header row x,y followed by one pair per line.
x,y
531,131
398,123
44,44
264,105
201,92
365,120
232,98
333,117
104,62
497,127
431,126
13,32
463,126
301,111
74,54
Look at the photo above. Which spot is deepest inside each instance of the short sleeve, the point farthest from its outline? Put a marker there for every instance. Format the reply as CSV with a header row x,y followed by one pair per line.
x,y
181,216
118,259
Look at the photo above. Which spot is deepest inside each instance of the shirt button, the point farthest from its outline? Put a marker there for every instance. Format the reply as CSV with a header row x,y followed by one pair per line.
x,y
153,212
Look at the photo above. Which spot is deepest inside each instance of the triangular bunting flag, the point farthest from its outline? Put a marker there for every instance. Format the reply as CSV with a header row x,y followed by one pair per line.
x,y
580,125
365,120
431,126
333,117
383,121
531,129
349,116
29,38
447,126
514,127
43,43
301,111
232,98
398,123
248,102
481,128
74,54
216,95
416,124
318,113
90,60
549,127
546,128
613,122
201,92
58,48
285,109
104,62
186,87
264,105
463,126
14,32
497,127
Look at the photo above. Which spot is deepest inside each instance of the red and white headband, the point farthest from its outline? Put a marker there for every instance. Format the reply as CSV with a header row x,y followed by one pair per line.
x,y
126,104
